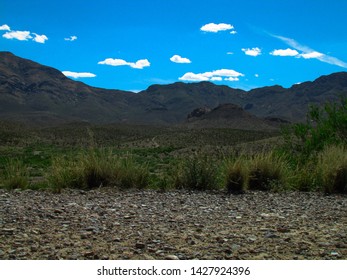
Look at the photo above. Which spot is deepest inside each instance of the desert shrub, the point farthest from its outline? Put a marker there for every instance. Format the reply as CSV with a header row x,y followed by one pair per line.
x,y
236,177
304,177
96,168
132,175
332,169
65,173
196,173
99,167
15,175
324,126
267,172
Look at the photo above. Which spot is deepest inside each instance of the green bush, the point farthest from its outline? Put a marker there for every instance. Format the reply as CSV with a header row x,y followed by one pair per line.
x,y
332,169
15,175
197,173
324,126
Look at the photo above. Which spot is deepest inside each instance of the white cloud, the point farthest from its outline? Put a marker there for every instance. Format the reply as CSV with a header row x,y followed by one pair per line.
x,y
213,27
252,52
232,79
71,38
216,75
77,75
233,32
256,75
308,52
216,79
140,64
5,27
23,35
230,53
19,35
178,59
310,55
190,76
40,38
113,62
286,52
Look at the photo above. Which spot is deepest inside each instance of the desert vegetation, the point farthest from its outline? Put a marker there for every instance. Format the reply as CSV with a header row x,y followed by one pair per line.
x,y
309,156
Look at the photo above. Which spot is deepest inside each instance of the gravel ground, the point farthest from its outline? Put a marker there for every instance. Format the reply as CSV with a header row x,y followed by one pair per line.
x,y
111,224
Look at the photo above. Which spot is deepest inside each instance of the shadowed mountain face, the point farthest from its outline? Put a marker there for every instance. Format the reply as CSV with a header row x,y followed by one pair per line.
x,y
35,93
228,115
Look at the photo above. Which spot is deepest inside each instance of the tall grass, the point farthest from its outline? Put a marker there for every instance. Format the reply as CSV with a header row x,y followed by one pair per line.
x,y
15,175
96,168
236,176
332,169
268,171
196,173
263,171
304,177
132,175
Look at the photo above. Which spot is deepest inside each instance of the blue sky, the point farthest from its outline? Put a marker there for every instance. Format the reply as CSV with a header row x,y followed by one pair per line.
x,y
132,44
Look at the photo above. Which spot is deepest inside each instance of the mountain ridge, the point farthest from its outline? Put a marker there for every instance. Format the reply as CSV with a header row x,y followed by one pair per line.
x,y
35,93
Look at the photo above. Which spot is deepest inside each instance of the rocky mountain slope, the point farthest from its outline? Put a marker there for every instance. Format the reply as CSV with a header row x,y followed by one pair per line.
x,y
30,91
34,93
228,115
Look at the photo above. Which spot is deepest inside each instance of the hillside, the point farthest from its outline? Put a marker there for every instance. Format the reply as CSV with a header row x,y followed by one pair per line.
x,y
34,93
229,115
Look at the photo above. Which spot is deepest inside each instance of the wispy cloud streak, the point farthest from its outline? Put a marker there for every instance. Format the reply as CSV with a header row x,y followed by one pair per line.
x,y
309,53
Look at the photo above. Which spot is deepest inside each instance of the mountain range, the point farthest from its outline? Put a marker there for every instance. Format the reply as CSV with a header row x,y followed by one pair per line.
x,y
34,93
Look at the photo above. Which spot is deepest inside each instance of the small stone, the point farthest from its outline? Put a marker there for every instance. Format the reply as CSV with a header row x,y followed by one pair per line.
x,y
235,247
271,235
341,245
148,257
252,238
140,246
159,252
8,231
58,211
90,255
265,215
228,251
323,244
171,257
86,235
90,228
283,229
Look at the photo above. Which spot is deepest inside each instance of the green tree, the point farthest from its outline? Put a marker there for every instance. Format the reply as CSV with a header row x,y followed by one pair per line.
x,y
324,126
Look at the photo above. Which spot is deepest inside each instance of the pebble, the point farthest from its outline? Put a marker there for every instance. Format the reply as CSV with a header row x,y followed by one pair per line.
x,y
140,246
8,231
172,257
106,224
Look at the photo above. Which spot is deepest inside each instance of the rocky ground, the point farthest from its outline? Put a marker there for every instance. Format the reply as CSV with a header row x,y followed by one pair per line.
x,y
110,224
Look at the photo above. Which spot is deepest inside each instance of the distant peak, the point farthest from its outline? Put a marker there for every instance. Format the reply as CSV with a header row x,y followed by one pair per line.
x,y
6,53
